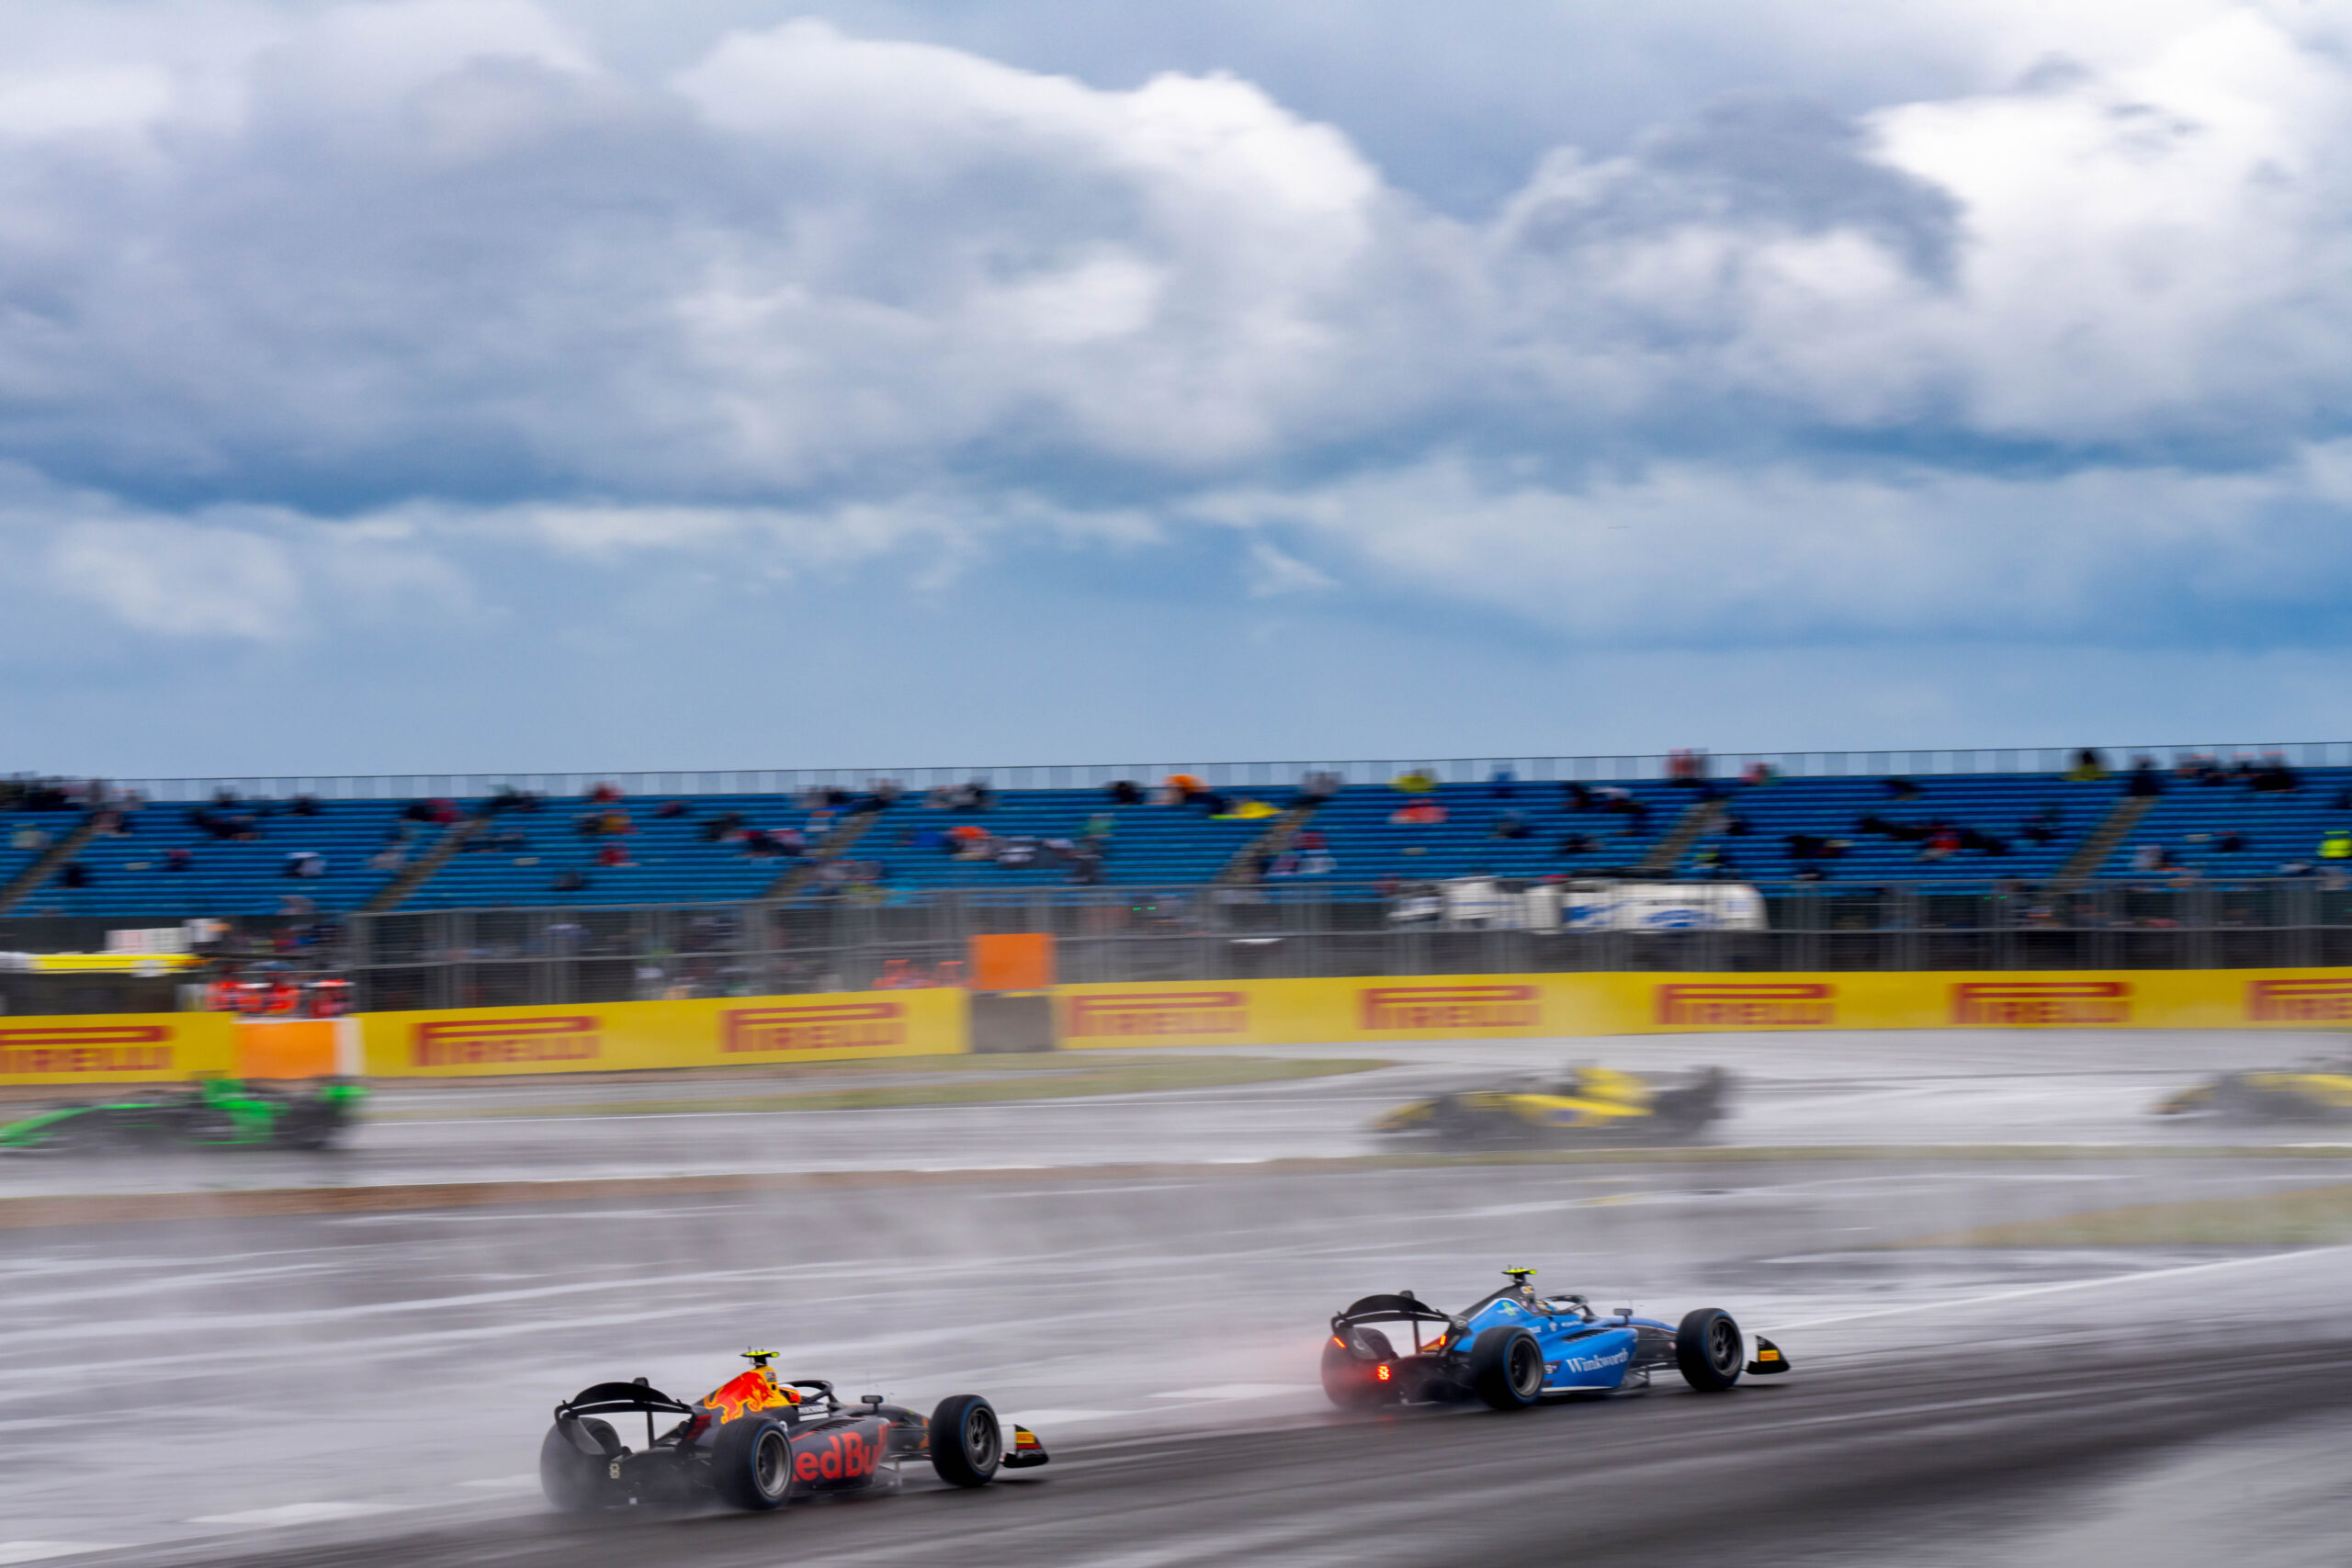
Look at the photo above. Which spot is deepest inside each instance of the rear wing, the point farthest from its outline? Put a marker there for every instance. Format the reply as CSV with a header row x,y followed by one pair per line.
x,y
620,1399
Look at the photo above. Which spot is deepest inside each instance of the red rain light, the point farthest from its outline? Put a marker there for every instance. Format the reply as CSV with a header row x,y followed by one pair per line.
x,y
1384,1374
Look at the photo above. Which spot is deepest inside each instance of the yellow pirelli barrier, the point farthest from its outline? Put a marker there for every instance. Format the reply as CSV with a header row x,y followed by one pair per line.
x,y
131,1047
634,1036
1275,1013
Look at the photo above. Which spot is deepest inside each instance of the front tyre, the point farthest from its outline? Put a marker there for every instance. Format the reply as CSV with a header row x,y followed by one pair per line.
x,y
574,1461
1710,1349
1507,1368
966,1443
750,1464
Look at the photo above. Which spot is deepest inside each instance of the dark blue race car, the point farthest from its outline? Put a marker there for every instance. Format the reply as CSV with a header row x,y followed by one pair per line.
x,y
1516,1347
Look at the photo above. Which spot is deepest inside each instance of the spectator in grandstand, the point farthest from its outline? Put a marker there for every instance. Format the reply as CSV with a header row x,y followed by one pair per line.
x,y
604,795
1758,773
758,843
1319,787
1901,789
178,858
2150,857
1942,842
1244,810
1414,781
614,853
29,837
1502,783
1419,814
391,857
725,825
2089,766
509,798
1511,824
572,879
1576,797
74,874
1311,839
1124,791
1578,845
2145,779
304,863
1685,768
2335,844
2273,777
303,806
670,809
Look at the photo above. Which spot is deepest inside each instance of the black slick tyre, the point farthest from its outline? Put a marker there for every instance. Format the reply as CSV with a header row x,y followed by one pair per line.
x,y
1507,1368
967,1441
750,1464
1355,1384
1710,1349
573,1463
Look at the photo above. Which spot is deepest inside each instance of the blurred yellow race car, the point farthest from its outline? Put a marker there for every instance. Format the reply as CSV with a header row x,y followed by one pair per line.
x,y
2319,1091
1586,1106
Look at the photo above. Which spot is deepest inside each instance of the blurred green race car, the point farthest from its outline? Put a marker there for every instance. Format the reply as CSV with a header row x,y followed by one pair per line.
x,y
209,1113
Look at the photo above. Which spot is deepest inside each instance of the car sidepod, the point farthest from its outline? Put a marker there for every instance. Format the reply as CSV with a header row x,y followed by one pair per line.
x,y
1589,1359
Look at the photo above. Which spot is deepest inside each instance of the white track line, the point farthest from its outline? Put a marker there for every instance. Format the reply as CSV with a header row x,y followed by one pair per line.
x,y
302,1514
2068,1285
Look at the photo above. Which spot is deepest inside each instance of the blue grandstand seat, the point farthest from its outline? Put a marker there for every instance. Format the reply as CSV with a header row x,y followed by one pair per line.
x,y
1162,845
1998,805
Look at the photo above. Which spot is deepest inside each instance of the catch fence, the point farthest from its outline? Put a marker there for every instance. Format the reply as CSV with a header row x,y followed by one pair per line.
x,y
537,956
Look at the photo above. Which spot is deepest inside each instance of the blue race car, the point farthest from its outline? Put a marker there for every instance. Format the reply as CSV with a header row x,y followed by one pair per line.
x,y
1516,1347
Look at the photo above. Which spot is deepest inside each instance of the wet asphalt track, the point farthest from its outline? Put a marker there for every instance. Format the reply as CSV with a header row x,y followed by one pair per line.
x,y
368,1389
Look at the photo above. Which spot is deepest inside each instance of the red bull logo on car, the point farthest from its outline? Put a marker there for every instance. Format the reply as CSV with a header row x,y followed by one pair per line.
x,y
823,1026
2042,1004
1119,1014
2299,1001
1736,1005
489,1041
842,1455
86,1048
1449,1006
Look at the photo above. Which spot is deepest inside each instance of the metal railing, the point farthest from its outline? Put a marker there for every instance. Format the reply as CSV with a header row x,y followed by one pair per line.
x,y
543,956
1231,775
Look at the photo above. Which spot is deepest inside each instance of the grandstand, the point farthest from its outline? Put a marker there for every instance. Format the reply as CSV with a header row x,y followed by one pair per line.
x,y
2005,819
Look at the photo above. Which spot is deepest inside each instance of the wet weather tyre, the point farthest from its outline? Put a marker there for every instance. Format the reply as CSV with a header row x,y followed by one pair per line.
x,y
967,1441
1710,1349
1507,1368
306,1129
1355,1384
750,1464
572,1477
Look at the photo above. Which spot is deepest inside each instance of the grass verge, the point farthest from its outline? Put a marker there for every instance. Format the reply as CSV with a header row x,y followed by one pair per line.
x,y
2312,1214
1109,1077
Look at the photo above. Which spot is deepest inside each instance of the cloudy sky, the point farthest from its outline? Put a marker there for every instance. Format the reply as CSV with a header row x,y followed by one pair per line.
x,y
488,384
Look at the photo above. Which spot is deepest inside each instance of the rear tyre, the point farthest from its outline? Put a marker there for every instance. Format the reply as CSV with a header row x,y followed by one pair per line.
x,y
308,1127
1354,1384
750,1464
1507,1368
1710,1349
570,1474
966,1443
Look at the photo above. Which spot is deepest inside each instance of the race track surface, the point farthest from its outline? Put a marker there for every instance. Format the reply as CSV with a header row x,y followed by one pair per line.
x,y
368,1388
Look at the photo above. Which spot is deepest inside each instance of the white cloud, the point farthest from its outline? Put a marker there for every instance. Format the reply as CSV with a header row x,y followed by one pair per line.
x,y
179,580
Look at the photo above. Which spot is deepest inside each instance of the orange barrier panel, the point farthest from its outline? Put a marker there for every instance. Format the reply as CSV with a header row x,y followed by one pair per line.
x,y
298,1047
1017,962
